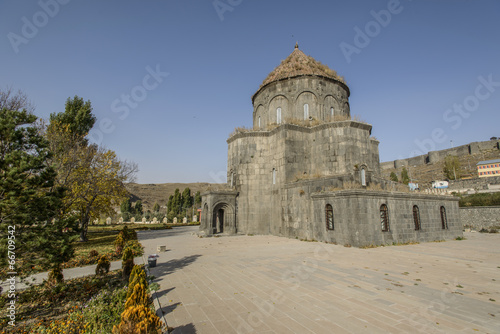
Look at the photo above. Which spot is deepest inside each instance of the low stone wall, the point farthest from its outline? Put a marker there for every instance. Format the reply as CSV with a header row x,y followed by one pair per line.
x,y
479,217
482,183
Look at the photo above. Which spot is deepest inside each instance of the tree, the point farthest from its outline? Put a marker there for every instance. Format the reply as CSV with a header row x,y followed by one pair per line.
x,y
404,176
156,207
187,199
175,203
394,177
138,207
197,199
452,168
97,187
77,116
15,102
126,207
30,201
93,176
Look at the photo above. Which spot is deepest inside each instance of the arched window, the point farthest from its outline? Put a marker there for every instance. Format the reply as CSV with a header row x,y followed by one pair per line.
x,y
274,175
416,217
306,112
384,218
329,217
259,122
444,221
331,111
363,177
278,115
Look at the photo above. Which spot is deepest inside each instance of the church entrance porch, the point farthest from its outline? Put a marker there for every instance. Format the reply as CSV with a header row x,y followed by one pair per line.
x,y
219,214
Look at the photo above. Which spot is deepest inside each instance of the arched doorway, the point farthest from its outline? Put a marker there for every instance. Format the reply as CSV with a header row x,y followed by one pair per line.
x,y
223,219
218,221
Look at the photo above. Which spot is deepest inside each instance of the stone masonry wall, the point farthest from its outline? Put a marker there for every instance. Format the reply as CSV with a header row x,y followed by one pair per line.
x,y
482,183
321,94
357,218
480,217
433,156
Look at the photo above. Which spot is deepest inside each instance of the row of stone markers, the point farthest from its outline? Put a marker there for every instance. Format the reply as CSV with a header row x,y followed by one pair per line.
x,y
145,221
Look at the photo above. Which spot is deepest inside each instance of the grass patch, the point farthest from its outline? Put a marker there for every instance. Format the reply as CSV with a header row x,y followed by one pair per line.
x,y
61,306
101,239
460,238
482,199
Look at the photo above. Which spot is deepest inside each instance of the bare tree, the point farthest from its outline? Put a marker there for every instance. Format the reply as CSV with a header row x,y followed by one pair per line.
x,y
15,101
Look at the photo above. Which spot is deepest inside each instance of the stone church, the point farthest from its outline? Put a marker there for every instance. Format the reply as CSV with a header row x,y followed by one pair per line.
x,y
308,170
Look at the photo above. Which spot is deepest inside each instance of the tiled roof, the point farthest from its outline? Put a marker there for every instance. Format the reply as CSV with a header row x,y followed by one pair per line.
x,y
488,162
298,63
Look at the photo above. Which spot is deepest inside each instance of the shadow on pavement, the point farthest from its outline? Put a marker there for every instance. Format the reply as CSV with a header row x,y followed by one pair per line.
x,y
163,292
169,308
186,329
173,265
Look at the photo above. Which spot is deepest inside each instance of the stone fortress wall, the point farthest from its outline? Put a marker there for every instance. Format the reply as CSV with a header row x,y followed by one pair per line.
x,y
435,156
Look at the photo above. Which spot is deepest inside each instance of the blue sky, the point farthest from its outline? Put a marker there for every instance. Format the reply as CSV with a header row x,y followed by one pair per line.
x,y
423,73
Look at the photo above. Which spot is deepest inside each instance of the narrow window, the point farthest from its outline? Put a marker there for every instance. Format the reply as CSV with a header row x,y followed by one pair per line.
x,y
259,122
331,111
329,217
232,179
274,176
384,218
416,217
278,115
444,221
363,177
306,112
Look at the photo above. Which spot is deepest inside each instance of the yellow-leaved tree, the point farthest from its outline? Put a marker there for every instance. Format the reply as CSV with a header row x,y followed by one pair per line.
x,y
93,176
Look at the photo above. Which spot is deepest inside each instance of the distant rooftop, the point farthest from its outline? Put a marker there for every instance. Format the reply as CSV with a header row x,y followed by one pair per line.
x,y
298,63
488,162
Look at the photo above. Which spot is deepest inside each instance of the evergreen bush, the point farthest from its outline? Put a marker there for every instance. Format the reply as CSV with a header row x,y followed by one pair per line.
x,y
138,319
127,262
102,266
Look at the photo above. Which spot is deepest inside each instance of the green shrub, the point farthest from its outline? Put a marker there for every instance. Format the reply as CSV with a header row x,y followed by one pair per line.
x,y
119,243
125,233
56,275
102,266
135,247
103,311
139,296
138,319
127,263
139,277
486,199
93,253
135,270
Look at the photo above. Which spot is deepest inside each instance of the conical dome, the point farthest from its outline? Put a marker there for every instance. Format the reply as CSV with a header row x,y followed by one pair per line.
x,y
297,64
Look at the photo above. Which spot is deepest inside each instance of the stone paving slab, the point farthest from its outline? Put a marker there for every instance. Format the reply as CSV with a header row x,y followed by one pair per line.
x,y
268,284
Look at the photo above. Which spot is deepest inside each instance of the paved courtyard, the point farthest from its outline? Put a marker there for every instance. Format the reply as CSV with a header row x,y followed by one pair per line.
x,y
267,284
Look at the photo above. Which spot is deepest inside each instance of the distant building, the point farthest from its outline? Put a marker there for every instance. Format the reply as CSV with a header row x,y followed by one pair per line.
x,y
440,184
488,168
